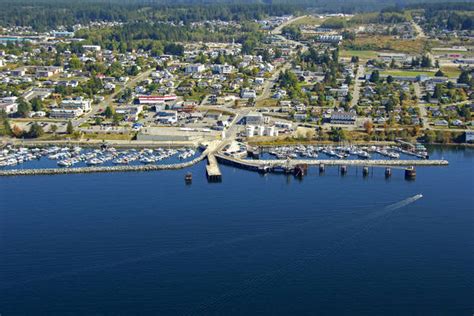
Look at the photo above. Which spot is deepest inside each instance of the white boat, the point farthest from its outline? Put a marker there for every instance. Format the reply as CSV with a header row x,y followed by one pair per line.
x,y
94,162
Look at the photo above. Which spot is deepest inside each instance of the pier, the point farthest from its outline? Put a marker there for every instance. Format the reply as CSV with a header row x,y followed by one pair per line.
x,y
212,169
272,165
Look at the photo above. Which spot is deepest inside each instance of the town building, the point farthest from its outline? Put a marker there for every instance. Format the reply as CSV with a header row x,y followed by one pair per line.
x,y
156,99
9,105
343,118
248,94
77,103
254,118
194,68
65,113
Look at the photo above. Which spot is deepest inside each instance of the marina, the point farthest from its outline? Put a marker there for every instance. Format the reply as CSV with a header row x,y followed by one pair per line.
x,y
73,157
289,159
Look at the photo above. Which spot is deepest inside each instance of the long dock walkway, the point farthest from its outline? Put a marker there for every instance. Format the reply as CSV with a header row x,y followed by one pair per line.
x,y
260,164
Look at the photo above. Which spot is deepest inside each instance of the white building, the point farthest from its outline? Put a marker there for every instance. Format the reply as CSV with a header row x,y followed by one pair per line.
x,y
9,105
222,69
250,131
285,125
194,68
167,117
271,131
47,71
92,48
77,103
66,113
254,118
248,94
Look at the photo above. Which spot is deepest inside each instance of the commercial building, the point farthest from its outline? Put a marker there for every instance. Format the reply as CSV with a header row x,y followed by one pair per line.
x,y
248,94
343,118
77,103
9,105
194,68
254,118
222,69
167,117
155,99
66,113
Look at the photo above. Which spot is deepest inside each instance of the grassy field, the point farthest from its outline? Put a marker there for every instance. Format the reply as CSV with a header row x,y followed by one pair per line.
x,y
309,20
267,103
451,72
406,73
387,43
362,54
442,52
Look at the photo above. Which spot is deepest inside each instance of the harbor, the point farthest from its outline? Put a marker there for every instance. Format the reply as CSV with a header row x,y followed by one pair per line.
x,y
296,160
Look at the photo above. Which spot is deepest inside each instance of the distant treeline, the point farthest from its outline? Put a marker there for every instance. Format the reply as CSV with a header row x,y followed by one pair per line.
x,y
45,15
155,37
49,14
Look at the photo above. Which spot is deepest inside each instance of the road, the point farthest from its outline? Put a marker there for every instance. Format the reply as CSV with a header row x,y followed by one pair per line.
x,y
109,99
270,83
420,33
278,29
357,85
421,107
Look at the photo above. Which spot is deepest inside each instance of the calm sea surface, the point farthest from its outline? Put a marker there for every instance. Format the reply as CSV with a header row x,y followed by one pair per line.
x,y
145,243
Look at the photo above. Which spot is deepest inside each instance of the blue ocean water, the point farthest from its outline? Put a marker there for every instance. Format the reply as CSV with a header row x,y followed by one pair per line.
x,y
146,243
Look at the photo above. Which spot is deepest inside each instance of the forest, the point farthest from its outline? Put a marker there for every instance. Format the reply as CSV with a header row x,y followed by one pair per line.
x,y
44,15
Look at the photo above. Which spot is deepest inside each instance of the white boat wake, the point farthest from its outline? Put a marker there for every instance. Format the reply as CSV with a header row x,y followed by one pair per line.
x,y
364,225
404,202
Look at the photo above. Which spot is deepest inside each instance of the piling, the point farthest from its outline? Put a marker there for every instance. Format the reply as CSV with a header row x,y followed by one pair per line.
x,y
388,172
188,178
321,168
365,171
343,170
410,173
300,170
264,169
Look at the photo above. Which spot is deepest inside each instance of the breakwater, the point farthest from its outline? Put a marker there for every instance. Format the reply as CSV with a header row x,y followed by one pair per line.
x,y
127,168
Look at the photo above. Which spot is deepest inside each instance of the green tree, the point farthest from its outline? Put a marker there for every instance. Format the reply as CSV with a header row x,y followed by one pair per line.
x,y
35,131
37,104
375,76
426,62
5,128
109,112
24,108
464,77
75,62
69,128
